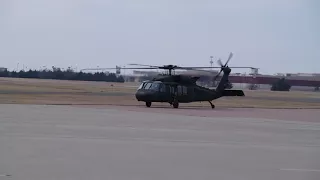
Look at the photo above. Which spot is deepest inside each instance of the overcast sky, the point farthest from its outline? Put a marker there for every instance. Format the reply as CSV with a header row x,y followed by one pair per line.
x,y
274,35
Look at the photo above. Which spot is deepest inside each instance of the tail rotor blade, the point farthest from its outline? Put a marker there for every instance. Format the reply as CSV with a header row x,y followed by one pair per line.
x,y
222,66
230,56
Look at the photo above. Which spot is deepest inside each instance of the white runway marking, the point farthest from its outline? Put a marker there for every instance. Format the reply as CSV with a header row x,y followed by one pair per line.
x,y
304,170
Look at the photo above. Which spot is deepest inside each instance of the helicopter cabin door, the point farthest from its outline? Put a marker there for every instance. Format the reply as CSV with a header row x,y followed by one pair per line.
x,y
185,93
170,90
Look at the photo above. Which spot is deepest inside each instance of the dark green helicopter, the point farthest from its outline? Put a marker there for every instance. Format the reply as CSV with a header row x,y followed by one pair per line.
x,y
175,89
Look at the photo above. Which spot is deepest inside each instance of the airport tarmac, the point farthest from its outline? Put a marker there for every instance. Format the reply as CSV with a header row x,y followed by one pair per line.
x,y
43,142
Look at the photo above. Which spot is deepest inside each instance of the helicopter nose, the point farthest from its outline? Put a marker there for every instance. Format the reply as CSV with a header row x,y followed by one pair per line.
x,y
143,96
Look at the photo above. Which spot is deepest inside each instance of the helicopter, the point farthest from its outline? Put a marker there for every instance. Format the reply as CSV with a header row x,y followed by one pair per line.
x,y
175,89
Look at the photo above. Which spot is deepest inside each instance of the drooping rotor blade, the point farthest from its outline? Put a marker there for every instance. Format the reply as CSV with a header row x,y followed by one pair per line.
x,y
182,68
144,65
201,70
195,68
171,67
242,67
113,68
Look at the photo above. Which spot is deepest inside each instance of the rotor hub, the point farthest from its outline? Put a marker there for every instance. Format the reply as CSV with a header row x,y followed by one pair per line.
x,y
170,67
226,70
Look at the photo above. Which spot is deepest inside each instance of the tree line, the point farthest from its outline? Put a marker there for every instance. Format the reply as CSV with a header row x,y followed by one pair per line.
x,y
69,74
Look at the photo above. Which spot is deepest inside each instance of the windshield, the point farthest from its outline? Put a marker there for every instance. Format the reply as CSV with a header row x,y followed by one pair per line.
x,y
141,85
155,86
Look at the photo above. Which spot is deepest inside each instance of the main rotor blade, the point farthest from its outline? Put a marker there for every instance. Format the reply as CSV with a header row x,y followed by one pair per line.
x,y
113,68
184,68
201,70
144,65
243,67
195,68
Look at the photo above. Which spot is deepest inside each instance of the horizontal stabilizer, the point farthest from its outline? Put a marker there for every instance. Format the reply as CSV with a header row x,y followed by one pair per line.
x,y
232,93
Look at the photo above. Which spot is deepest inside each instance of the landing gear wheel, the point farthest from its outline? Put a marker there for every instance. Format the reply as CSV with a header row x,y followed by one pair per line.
x,y
212,105
175,104
148,104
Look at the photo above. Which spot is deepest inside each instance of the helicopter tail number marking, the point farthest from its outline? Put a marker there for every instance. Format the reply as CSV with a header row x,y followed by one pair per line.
x,y
232,93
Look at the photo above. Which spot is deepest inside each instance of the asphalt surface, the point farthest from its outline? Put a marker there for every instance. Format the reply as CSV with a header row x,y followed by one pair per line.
x,y
291,99
81,143
103,93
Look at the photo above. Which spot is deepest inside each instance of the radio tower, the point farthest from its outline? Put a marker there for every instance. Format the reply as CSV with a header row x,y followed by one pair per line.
x,y
211,62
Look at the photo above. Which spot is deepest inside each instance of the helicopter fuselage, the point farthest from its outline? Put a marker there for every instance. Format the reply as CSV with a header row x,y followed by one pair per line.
x,y
157,91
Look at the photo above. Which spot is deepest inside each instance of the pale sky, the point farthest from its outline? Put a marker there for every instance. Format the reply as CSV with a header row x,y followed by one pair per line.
x,y
273,35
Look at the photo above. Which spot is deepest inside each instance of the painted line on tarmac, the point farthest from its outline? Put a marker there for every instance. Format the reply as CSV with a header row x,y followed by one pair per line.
x,y
303,170
4,175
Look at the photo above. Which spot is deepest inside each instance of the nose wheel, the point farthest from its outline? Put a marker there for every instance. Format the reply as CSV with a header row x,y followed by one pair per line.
x,y
212,105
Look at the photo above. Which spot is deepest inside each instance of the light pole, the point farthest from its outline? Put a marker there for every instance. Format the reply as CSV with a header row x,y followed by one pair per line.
x,y
211,61
124,73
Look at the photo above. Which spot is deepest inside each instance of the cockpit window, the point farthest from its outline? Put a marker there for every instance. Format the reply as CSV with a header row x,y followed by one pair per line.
x,y
147,86
155,86
141,86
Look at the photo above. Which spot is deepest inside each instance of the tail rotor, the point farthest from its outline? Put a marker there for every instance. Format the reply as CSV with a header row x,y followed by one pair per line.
x,y
223,67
